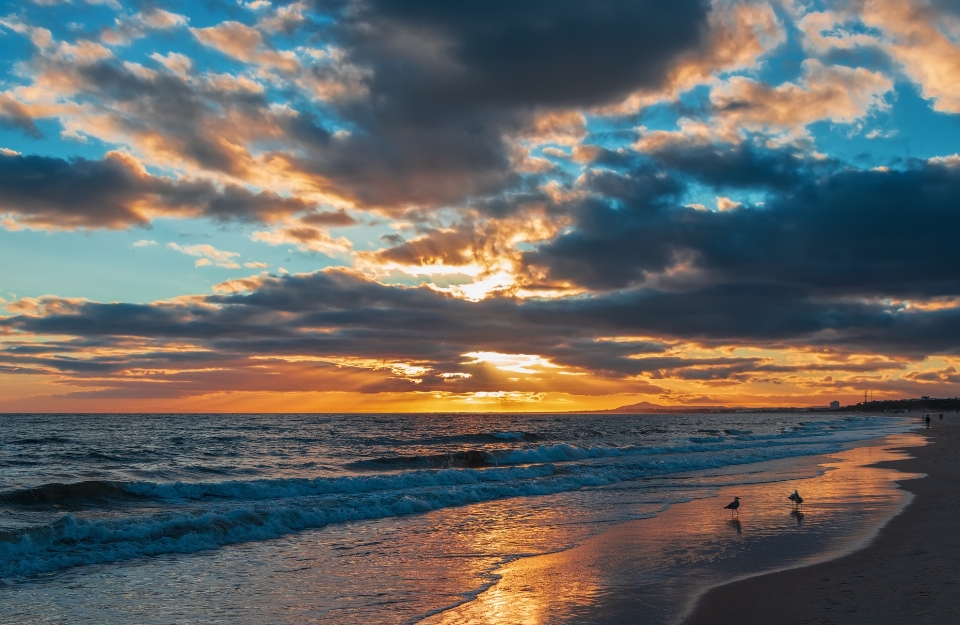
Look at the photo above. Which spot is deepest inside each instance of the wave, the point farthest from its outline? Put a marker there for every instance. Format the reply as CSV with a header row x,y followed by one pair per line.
x,y
562,452
450,469
492,437
476,458
75,493
468,458
265,489
201,516
513,436
72,541
43,440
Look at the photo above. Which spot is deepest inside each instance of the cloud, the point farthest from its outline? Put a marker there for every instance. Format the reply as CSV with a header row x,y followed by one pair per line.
x,y
128,28
313,326
328,218
558,247
418,105
305,238
15,115
436,69
246,44
738,35
208,255
853,233
117,192
739,165
485,251
741,107
920,37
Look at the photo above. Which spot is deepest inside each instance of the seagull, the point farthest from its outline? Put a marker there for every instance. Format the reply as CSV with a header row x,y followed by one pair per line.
x,y
796,498
733,506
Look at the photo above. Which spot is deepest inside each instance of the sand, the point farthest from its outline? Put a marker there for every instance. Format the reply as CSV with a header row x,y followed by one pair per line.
x,y
908,574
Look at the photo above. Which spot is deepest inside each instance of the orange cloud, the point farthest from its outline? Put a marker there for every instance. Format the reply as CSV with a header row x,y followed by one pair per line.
x,y
743,106
245,43
739,34
305,238
487,252
921,36
207,255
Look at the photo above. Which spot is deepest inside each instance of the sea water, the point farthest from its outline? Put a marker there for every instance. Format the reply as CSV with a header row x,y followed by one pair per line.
x,y
346,518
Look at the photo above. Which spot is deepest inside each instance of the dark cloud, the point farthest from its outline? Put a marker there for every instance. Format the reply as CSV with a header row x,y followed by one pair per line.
x,y
744,165
170,111
328,218
334,315
854,233
449,81
432,57
432,93
14,115
116,193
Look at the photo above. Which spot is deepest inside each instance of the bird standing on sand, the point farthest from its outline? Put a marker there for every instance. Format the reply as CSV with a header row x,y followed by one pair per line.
x,y
733,506
796,498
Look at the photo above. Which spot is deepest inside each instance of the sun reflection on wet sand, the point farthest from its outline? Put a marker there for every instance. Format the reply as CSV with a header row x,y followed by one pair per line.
x,y
649,570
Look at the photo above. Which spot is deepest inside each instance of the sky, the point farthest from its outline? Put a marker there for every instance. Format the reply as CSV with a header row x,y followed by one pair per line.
x,y
424,205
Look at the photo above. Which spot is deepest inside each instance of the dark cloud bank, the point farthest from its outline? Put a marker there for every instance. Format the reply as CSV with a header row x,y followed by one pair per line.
x,y
115,193
817,265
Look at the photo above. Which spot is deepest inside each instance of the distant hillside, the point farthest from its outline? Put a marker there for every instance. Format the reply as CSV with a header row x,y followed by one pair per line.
x,y
646,407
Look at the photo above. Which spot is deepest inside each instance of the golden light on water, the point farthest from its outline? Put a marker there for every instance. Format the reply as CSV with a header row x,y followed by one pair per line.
x,y
636,566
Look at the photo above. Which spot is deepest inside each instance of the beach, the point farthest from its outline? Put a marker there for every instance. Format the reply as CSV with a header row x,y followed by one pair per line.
x,y
652,570
360,519
907,574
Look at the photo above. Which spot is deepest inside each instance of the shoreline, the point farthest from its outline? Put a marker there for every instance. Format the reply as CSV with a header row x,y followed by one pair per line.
x,y
905,573
690,547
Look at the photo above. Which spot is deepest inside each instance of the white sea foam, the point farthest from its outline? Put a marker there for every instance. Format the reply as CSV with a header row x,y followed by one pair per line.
x,y
206,515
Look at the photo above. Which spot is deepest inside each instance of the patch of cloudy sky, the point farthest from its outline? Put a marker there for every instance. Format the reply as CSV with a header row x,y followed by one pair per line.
x,y
737,201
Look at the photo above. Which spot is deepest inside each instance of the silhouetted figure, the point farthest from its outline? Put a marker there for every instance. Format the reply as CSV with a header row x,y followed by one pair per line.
x,y
927,419
734,506
941,416
796,499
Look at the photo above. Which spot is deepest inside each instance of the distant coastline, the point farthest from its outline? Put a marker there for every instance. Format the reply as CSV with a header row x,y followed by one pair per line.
x,y
930,404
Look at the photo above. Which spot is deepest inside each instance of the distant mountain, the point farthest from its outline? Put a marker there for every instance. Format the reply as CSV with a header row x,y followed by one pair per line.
x,y
646,407
643,406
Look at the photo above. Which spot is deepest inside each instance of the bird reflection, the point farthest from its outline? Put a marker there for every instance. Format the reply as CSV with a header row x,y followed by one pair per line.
x,y
799,516
735,523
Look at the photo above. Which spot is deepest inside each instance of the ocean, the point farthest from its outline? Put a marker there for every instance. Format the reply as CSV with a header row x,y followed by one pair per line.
x,y
373,518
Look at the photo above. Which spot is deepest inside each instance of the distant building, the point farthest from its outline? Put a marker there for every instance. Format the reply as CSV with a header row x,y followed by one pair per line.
x,y
834,405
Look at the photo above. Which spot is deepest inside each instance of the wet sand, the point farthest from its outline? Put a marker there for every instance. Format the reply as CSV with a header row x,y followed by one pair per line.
x,y
650,570
908,574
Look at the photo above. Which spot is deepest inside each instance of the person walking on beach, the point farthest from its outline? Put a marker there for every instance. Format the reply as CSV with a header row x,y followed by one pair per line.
x,y
927,419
